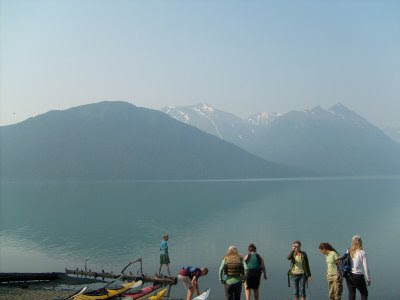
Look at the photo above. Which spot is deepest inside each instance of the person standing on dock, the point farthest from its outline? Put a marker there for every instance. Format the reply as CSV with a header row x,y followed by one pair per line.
x,y
164,256
256,266
299,271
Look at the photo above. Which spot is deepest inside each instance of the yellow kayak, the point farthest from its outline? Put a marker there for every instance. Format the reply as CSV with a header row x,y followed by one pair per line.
x,y
159,295
106,293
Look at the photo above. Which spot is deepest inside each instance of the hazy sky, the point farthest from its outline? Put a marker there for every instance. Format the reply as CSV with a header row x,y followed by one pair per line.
x,y
239,56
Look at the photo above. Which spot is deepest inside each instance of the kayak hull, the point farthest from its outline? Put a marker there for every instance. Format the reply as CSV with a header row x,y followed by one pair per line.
x,y
142,293
159,295
203,296
103,294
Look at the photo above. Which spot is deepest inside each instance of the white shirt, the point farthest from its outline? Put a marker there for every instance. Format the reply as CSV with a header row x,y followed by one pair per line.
x,y
358,263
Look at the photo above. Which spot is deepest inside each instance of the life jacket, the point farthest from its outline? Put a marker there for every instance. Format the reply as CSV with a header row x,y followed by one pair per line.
x,y
233,266
258,267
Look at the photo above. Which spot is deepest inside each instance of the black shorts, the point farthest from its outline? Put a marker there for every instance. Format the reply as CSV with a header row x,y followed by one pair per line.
x,y
253,279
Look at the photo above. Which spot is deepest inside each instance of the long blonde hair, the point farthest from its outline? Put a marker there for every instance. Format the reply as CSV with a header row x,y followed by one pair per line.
x,y
232,252
356,244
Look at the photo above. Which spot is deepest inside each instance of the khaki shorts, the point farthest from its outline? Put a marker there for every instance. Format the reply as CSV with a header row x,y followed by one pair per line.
x,y
164,259
186,281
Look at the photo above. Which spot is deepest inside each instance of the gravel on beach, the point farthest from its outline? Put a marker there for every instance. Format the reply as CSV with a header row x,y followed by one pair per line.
x,y
18,293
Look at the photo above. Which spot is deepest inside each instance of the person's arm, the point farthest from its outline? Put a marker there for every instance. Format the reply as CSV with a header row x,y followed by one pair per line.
x,y
245,269
366,270
196,284
221,271
290,256
263,269
307,265
163,246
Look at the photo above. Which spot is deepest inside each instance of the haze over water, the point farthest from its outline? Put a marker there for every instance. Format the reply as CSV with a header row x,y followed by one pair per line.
x,y
111,223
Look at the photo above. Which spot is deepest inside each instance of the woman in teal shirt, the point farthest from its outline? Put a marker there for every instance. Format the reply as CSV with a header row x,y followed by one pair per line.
x,y
256,266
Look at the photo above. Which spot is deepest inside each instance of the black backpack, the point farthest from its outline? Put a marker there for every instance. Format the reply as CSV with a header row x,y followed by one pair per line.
x,y
343,264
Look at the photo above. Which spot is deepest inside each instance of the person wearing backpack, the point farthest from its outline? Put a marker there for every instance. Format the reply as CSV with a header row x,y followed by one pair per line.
x,y
359,275
299,271
255,265
189,277
335,281
232,273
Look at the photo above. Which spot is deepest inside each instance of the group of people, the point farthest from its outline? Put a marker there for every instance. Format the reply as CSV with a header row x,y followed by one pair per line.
x,y
236,271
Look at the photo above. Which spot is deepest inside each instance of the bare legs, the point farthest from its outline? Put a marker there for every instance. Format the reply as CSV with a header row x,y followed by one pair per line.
x,y
159,270
248,294
190,293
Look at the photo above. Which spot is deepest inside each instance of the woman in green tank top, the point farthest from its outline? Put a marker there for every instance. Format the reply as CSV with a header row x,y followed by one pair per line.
x,y
335,282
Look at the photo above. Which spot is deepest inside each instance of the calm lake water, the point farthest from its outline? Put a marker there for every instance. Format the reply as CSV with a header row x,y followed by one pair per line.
x,y
50,226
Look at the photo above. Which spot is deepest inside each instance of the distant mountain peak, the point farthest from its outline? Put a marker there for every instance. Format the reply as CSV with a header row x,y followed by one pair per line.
x,y
316,110
262,118
345,113
204,107
339,107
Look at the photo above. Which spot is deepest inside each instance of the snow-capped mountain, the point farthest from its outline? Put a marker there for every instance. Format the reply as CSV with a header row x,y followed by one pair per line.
x,y
221,124
213,121
263,118
334,141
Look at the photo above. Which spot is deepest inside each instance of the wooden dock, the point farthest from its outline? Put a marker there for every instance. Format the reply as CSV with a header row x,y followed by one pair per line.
x,y
110,275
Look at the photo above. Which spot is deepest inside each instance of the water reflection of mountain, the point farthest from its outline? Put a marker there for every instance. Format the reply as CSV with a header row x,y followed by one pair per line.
x,y
104,218
112,223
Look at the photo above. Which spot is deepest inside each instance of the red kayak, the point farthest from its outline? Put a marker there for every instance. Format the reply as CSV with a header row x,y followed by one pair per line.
x,y
142,292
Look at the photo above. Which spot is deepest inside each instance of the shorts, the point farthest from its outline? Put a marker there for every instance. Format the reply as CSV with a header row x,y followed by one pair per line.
x,y
186,281
253,279
164,259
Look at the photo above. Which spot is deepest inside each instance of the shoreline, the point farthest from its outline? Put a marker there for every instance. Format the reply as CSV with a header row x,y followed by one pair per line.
x,y
44,290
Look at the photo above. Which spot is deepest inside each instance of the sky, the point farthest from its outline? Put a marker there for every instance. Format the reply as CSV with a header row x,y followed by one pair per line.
x,y
242,57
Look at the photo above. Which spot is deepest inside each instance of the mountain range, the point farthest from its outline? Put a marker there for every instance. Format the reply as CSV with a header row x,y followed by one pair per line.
x,y
336,141
117,140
